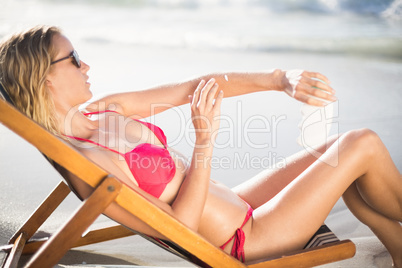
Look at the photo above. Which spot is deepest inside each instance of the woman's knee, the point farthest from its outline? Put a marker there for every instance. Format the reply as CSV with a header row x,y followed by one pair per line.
x,y
358,206
363,141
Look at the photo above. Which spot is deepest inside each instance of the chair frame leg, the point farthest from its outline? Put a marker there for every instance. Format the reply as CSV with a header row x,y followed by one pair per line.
x,y
22,243
15,253
16,244
72,230
45,209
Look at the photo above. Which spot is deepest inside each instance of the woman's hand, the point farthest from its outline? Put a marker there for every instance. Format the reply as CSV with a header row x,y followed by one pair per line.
x,y
205,111
308,87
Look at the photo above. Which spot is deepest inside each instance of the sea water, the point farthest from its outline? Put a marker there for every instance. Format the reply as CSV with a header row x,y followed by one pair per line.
x,y
363,27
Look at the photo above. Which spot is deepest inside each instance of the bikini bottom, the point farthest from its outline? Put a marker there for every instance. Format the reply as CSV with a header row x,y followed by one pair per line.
x,y
239,239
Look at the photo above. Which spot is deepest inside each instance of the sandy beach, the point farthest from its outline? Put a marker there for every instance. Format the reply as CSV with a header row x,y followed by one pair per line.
x,y
369,92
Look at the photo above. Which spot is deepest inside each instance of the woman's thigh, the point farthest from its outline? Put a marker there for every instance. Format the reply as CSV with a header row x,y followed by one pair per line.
x,y
288,220
268,183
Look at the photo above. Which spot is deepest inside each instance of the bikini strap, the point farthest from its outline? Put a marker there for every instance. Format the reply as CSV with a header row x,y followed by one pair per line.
x,y
156,130
239,230
98,144
101,112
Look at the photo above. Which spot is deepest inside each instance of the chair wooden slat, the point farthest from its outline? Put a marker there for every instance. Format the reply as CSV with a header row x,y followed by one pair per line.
x,y
312,257
105,234
92,237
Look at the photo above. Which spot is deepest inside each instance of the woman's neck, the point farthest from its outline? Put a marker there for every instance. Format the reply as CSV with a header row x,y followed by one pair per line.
x,y
73,123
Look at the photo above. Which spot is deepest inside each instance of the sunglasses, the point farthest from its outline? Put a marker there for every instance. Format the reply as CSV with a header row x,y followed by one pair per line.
x,y
74,56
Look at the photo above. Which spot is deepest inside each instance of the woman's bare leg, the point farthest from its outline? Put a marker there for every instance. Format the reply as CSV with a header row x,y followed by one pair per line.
x,y
289,219
387,230
268,183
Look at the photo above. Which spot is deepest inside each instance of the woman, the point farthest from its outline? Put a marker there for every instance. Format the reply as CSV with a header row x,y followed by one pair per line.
x,y
47,81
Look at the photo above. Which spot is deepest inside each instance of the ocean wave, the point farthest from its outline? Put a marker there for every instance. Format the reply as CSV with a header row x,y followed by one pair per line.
x,y
394,11
362,7
372,47
264,26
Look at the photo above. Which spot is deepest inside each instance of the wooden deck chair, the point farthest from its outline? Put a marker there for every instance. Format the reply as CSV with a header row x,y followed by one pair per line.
x,y
182,241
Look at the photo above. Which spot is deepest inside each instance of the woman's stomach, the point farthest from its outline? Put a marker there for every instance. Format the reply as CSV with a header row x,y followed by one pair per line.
x,y
224,211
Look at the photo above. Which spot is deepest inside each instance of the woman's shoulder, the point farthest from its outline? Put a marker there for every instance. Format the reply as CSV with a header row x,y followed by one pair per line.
x,y
103,107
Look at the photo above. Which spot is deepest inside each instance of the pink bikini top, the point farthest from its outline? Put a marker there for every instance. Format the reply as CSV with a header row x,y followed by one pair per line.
x,y
152,166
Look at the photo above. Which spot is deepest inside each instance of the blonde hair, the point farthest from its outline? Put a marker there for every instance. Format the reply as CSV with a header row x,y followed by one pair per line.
x,y
25,60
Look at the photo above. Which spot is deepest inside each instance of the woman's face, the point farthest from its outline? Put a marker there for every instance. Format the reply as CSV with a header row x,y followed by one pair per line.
x,y
67,83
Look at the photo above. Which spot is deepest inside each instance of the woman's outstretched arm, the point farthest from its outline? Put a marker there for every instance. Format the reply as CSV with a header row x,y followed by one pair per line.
x,y
144,103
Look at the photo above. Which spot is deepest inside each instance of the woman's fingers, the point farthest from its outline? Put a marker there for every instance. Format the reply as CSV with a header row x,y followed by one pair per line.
x,y
203,101
316,89
309,87
204,94
205,109
197,92
317,80
218,101
308,99
205,90
318,83
316,75
212,94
